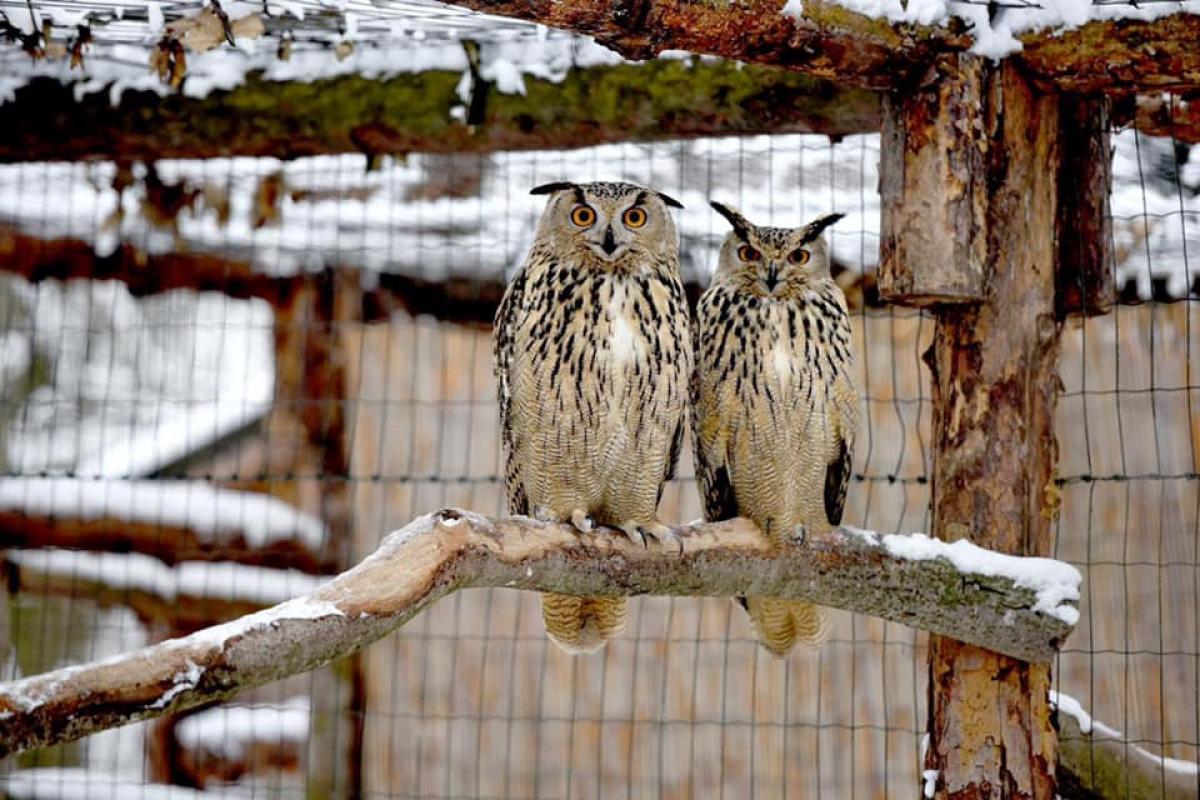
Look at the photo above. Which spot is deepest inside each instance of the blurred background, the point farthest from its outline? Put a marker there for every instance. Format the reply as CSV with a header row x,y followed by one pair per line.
x,y
224,379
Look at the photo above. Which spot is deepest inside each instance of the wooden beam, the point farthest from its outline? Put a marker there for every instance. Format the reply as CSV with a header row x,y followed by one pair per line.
x,y
994,370
664,99
932,248
449,550
1086,275
833,42
168,544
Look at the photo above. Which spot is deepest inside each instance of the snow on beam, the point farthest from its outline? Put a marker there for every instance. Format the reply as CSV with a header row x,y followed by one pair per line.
x,y
1095,760
1111,47
186,596
173,521
664,99
1019,606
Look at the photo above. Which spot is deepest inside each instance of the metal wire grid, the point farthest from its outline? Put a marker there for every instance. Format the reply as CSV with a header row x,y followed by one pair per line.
x,y
469,700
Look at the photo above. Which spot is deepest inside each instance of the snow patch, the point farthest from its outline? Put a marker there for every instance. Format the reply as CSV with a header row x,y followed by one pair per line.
x,y
930,777
85,783
1055,583
229,731
1073,708
996,35
183,680
221,580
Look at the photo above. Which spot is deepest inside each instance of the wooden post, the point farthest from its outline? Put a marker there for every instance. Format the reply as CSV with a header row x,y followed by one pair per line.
x,y
932,185
1086,281
994,366
309,423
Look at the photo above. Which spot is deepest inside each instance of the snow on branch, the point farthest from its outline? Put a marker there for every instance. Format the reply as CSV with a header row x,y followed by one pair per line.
x,y
1098,761
1018,606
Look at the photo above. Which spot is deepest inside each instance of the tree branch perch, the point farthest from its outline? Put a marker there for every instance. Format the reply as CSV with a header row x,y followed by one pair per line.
x,y
899,578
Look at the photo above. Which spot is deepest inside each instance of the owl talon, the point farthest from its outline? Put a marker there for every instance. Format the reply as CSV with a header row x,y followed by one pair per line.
x,y
582,521
799,534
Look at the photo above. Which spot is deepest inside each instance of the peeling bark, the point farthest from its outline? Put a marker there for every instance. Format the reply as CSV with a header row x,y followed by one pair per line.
x,y
440,553
995,379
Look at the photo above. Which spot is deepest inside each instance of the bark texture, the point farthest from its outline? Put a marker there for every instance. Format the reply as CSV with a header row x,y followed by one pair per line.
x,y
995,380
1097,764
1086,282
932,181
449,550
669,99
833,42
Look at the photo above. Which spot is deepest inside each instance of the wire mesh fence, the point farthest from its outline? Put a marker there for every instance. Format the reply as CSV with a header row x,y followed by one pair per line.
x,y
175,457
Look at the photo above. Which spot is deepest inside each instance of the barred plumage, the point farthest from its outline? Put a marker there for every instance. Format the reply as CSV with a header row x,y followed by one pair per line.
x,y
775,409
593,356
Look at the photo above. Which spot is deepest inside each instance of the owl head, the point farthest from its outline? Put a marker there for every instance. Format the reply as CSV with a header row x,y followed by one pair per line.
x,y
772,262
607,224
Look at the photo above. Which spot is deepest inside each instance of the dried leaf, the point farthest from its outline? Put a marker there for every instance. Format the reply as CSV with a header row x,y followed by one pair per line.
x,y
343,50
266,200
210,27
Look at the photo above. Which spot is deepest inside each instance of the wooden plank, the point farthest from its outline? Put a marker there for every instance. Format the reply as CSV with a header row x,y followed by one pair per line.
x,y
995,386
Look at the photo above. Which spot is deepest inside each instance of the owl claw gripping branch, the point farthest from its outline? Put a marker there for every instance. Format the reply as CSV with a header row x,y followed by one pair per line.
x,y
593,355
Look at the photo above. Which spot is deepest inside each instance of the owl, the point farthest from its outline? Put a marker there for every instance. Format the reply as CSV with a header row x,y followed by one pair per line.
x,y
593,357
775,408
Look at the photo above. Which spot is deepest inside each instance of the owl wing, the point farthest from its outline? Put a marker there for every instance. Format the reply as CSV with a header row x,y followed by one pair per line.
x,y
844,414
712,472
837,477
504,343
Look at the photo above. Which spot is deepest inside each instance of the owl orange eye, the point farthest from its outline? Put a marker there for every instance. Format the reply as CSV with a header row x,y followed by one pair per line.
x,y
800,256
635,217
748,253
583,216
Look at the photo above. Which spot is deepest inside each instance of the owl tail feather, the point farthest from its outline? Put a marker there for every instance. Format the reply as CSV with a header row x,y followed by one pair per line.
x,y
780,624
582,624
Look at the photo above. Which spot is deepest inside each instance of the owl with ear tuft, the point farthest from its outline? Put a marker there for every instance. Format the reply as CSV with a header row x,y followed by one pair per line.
x,y
774,404
593,356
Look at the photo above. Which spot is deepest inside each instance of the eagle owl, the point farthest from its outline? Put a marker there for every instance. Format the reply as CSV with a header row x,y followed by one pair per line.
x,y
593,356
775,408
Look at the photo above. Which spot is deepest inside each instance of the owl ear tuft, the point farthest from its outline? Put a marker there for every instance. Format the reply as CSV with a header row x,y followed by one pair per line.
x,y
666,198
551,188
741,225
813,229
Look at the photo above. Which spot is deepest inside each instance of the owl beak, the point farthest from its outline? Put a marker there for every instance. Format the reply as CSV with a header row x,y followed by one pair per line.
x,y
610,243
772,279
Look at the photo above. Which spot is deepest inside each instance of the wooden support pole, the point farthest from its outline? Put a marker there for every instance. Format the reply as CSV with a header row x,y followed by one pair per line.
x,y
932,184
995,379
1086,282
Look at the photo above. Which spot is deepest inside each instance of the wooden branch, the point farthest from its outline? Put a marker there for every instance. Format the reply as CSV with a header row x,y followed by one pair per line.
x,y
667,99
833,42
1098,762
440,553
1163,115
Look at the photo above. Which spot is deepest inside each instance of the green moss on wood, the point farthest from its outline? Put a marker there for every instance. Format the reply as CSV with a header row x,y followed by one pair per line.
x,y
411,113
